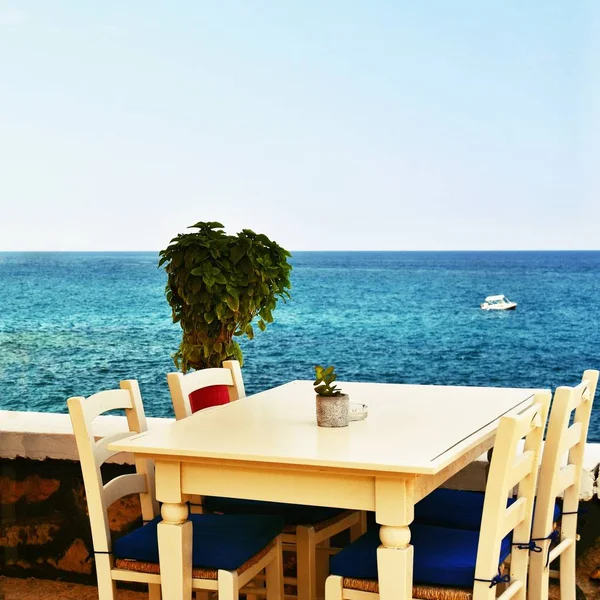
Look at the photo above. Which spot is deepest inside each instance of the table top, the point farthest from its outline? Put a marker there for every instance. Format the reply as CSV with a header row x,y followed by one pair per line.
x,y
409,428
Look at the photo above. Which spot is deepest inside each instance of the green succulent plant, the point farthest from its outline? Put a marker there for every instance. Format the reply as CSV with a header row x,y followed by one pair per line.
x,y
217,286
323,382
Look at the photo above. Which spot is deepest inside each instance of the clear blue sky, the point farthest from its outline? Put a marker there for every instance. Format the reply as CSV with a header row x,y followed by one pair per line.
x,y
324,124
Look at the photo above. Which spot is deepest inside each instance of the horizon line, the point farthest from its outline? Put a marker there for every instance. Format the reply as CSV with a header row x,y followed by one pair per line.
x,y
313,251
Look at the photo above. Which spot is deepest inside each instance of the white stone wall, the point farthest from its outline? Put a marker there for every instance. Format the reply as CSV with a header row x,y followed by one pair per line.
x,y
49,435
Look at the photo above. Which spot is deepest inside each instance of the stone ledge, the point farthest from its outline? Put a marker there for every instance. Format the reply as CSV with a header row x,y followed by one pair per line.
x,y
39,436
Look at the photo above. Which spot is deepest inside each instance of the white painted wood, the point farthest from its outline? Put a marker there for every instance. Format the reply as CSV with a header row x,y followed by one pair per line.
x,y
277,440
228,585
124,485
136,421
279,425
135,576
101,450
174,532
333,587
40,436
99,497
394,500
306,554
181,386
497,519
175,554
256,481
92,454
102,402
236,391
395,568
359,528
395,555
274,575
355,594
107,589
557,477
356,518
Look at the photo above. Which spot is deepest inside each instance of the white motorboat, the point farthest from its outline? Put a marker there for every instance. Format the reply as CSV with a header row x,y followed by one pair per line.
x,y
498,303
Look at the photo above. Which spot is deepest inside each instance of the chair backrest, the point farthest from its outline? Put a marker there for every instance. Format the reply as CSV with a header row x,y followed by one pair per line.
x,y
562,461
181,386
92,454
513,464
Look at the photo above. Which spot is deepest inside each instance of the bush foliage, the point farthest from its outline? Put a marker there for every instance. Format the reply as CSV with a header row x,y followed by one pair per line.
x,y
217,284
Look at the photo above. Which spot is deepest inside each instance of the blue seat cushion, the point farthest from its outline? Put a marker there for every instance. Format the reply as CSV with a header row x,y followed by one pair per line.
x,y
219,541
442,556
456,508
292,514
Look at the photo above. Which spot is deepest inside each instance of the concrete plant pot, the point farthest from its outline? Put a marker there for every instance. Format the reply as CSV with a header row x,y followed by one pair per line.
x,y
332,411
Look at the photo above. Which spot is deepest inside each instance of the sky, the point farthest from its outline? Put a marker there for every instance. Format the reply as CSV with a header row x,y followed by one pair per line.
x,y
326,125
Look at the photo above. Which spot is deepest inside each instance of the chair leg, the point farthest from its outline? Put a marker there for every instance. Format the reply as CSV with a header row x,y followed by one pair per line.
x,y
154,591
196,507
538,579
334,587
107,586
568,583
228,585
306,561
322,567
361,527
274,574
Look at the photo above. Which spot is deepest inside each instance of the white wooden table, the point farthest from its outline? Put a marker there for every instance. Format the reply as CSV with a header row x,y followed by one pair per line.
x,y
268,447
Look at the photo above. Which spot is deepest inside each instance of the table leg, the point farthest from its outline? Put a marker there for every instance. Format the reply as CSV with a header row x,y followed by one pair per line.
x,y
395,563
175,552
394,511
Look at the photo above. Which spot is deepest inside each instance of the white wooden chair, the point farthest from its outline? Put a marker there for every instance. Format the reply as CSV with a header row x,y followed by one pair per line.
x,y
112,565
311,540
480,553
181,386
556,477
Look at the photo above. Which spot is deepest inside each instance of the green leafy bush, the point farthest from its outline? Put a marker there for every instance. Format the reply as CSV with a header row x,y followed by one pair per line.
x,y
217,284
325,377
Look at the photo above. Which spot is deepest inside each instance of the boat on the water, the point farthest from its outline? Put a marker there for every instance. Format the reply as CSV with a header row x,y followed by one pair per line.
x,y
500,302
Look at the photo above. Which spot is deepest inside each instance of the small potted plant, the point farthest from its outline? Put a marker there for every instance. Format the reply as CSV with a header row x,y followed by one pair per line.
x,y
332,405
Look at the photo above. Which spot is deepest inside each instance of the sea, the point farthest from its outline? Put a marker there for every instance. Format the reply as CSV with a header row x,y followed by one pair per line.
x,y
77,323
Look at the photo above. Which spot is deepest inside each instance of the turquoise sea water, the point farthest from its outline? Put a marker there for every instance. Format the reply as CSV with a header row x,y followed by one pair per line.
x,y
77,323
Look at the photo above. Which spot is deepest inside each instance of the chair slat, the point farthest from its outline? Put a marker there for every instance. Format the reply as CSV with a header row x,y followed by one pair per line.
x,y
571,437
578,395
104,401
560,548
520,469
124,485
527,420
101,452
565,479
206,378
511,590
515,513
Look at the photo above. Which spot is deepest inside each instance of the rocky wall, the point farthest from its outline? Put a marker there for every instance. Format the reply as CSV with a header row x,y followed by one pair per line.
x,y
44,526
